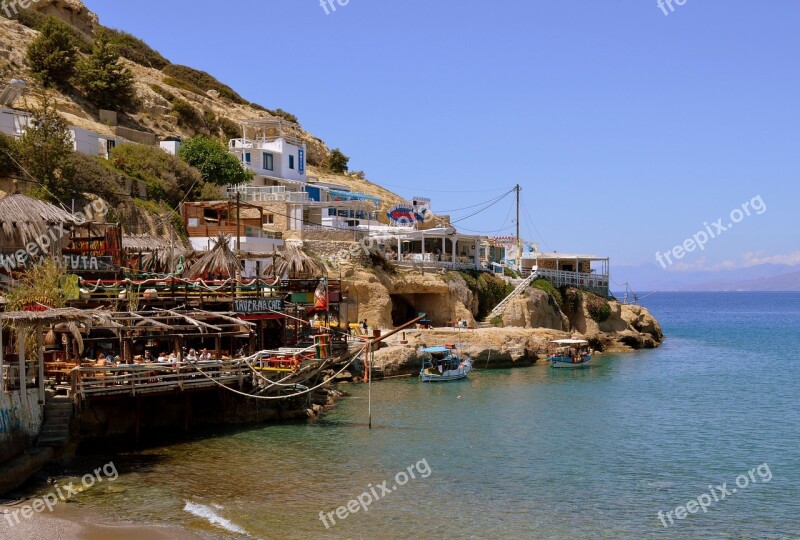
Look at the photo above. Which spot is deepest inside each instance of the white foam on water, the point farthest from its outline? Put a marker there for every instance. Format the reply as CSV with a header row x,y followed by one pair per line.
x,y
206,512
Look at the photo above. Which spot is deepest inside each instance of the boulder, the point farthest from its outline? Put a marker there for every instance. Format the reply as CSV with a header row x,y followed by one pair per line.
x,y
534,309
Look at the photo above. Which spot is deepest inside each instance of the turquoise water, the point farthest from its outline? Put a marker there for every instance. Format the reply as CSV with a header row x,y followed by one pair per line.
x,y
533,453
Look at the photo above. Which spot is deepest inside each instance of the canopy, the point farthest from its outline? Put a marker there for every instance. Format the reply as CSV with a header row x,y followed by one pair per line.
x,y
435,350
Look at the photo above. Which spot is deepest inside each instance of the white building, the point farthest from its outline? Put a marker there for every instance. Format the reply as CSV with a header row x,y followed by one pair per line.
x,y
13,122
171,146
91,143
441,247
272,149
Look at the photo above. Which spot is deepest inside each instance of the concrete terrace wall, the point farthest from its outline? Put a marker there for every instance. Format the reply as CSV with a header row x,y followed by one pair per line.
x,y
20,421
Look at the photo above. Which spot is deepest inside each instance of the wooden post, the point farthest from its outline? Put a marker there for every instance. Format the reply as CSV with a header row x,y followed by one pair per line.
x,y
186,412
21,357
40,359
2,367
138,416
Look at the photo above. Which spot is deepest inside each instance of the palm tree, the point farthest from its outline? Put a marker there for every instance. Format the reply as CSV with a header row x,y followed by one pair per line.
x,y
220,259
295,263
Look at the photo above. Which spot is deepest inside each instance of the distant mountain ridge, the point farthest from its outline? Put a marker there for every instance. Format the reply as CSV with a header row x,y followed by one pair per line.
x,y
764,277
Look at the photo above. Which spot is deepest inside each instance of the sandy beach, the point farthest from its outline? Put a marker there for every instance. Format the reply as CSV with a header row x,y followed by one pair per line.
x,y
67,522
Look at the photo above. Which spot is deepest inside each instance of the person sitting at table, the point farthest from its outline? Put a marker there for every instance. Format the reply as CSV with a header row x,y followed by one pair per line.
x,y
148,358
173,358
205,356
192,356
162,358
102,361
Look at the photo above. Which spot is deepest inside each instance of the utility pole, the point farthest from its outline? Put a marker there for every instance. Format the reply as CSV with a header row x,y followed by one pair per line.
x,y
519,240
238,222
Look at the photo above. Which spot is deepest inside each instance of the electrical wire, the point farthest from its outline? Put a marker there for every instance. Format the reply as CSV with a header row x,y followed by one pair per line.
x,y
443,190
464,208
495,201
530,219
502,227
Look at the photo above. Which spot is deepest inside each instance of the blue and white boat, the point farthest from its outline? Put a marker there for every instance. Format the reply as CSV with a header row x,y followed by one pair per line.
x,y
569,353
440,364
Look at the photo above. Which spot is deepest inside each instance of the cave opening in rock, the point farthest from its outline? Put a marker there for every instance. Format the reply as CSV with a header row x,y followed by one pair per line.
x,y
403,309
407,306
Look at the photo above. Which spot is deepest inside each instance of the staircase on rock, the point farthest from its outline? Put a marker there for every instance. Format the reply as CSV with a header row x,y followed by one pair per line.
x,y
57,418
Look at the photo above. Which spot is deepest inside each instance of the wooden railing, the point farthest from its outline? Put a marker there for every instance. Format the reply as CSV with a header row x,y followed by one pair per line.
x,y
560,278
151,378
212,231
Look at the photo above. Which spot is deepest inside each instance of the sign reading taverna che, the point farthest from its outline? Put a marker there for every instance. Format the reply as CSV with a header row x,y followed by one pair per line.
x,y
258,305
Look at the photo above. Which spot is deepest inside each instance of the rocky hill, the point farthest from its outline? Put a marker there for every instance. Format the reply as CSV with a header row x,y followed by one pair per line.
x,y
170,100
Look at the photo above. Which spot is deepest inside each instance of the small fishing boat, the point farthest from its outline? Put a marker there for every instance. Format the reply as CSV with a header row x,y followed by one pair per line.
x,y
569,353
440,364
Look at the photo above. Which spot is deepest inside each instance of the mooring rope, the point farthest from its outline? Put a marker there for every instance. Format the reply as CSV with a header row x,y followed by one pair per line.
x,y
289,396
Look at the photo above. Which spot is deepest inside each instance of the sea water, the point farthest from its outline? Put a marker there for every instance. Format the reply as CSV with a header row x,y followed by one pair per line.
x,y
529,453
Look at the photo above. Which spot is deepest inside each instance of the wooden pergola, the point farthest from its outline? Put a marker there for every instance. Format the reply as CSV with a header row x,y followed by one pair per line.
x,y
38,320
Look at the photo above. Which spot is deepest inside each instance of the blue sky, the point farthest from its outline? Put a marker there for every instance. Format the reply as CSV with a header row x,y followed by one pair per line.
x,y
627,129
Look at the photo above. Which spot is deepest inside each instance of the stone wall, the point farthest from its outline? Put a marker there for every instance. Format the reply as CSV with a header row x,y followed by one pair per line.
x,y
337,252
333,235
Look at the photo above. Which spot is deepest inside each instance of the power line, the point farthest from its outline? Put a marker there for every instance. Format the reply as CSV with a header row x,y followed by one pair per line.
x,y
506,194
530,219
502,227
443,190
464,208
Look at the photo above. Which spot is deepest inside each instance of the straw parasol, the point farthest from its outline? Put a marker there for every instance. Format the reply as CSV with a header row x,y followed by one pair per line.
x,y
158,254
220,259
295,263
24,220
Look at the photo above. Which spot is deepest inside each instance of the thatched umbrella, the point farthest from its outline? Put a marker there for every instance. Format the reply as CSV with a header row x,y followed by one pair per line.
x,y
158,254
220,259
24,220
295,263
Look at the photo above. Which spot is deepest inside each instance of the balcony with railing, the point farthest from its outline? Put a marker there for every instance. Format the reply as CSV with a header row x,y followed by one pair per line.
x,y
268,194
597,283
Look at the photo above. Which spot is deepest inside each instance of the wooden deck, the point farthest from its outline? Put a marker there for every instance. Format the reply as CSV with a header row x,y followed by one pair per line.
x,y
87,382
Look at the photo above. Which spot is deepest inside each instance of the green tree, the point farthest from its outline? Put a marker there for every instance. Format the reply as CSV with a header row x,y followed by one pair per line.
x,y
45,150
53,54
9,155
168,179
215,163
105,79
338,162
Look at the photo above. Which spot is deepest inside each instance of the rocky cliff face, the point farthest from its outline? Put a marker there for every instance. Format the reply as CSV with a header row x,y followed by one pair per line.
x,y
386,300
627,327
534,309
488,347
72,12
